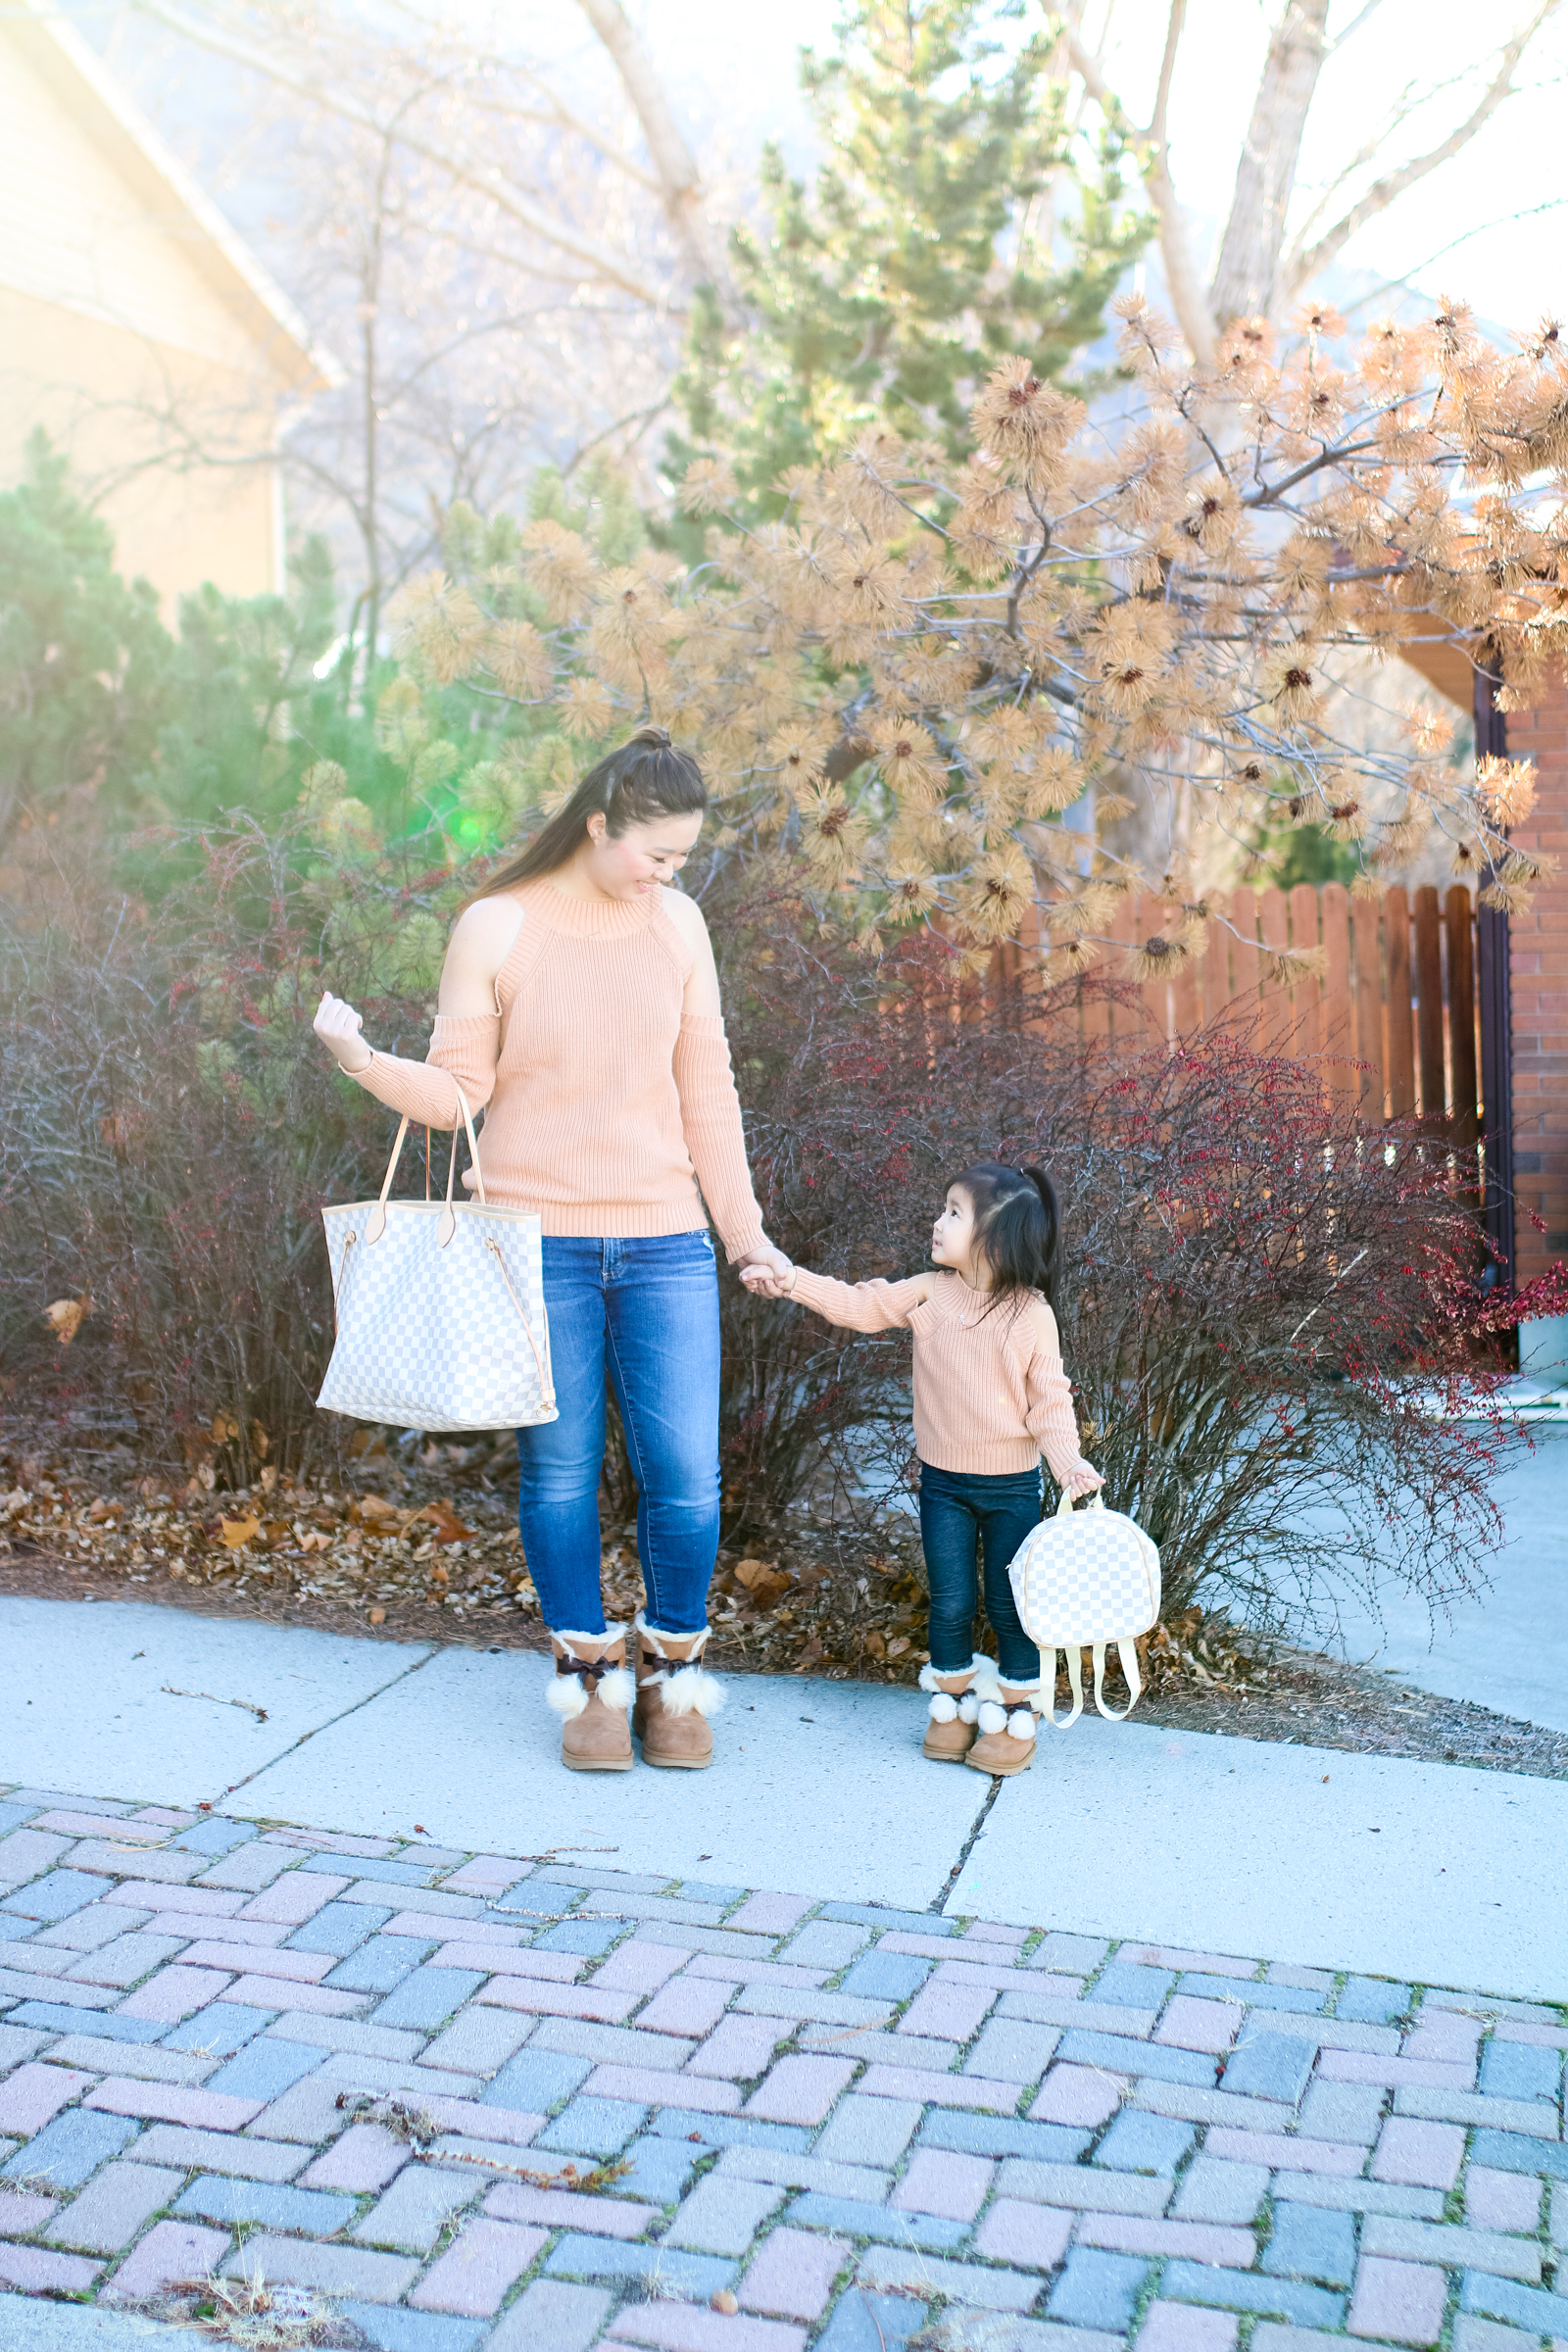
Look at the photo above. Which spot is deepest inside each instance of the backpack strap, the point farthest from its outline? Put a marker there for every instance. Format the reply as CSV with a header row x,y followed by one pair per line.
x,y
1128,1654
1048,1687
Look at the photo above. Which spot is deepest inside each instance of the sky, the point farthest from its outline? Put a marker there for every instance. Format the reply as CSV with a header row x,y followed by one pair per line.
x,y
732,71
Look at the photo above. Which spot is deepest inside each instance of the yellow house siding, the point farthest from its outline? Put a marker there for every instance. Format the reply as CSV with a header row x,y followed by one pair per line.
x,y
71,232
136,328
90,385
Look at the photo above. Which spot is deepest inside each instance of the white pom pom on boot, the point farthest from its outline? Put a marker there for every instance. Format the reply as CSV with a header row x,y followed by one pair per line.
x,y
1007,1729
955,1705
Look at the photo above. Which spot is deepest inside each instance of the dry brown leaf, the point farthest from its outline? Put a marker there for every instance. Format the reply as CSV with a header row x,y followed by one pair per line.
x,y
763,1579
449,1528
66,1316
375,1507
236,1531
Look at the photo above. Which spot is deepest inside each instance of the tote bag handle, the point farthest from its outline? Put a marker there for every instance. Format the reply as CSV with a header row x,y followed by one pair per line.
x,y
375,1222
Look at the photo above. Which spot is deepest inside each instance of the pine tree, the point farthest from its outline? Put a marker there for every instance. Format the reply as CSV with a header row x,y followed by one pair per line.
x,y
932,243
85,663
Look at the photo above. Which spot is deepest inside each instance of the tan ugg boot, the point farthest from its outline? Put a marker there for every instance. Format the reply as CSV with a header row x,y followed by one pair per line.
x,y
590,1693
1006,1742
676,1697
949,1732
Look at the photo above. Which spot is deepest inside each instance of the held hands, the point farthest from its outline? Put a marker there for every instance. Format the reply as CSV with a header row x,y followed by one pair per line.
x,y
768,1275
338,1027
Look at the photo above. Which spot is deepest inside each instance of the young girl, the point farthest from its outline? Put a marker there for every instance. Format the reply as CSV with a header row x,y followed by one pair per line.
x,y
990,1398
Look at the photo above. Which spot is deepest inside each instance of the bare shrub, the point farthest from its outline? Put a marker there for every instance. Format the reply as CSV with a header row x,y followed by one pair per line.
x,y
1260,1302
171,1132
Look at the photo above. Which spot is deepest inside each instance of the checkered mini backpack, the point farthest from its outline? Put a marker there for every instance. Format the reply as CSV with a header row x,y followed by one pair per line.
x,y
1085,1579
440,1308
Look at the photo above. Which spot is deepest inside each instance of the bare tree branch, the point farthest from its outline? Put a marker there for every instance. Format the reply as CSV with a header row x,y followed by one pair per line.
x,y
1354,28
673,158
1301,266
1410,100
1183,279
483,180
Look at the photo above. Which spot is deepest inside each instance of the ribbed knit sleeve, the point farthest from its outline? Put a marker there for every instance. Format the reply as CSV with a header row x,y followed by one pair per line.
x,y
859,1305
710,1122
461,1048
1050,1419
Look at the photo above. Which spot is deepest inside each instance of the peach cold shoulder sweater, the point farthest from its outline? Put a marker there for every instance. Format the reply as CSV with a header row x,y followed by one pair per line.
x,y
606,1106
990,1394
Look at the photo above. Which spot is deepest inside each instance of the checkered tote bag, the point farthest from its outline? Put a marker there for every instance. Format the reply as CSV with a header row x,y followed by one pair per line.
x,y
1086,1579
440,1309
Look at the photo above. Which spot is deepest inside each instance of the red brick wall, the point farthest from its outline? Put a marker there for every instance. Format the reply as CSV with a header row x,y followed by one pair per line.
x,y
1538,987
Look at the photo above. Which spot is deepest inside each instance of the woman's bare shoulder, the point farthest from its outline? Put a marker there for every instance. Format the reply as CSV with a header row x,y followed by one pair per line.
x,y
482,938
488,928
685,914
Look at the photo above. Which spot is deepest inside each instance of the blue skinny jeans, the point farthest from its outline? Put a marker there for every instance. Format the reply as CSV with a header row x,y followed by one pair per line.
x,y
963,1514
645,1312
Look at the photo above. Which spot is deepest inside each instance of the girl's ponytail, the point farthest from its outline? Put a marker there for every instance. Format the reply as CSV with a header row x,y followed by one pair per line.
x,y
1051,1240
1018,1227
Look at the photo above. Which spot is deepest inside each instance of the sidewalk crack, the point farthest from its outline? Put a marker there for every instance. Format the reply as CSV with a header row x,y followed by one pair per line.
x,y
968,1848
315,1729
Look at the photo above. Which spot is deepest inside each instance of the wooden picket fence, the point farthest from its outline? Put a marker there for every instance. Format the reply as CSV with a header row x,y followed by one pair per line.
x,y
1392,1021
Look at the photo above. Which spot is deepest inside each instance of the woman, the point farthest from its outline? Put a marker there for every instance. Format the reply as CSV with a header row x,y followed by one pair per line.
x,y
579,1001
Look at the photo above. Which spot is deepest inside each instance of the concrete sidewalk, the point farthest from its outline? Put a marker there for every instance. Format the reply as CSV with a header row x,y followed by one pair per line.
x,y
1508,1649
1454,1876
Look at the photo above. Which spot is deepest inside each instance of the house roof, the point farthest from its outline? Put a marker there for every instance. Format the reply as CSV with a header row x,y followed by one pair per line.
x,y
123,137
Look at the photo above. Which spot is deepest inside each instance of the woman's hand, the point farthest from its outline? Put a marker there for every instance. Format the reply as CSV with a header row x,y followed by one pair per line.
x,y
1084,1481
770,1275
338,1027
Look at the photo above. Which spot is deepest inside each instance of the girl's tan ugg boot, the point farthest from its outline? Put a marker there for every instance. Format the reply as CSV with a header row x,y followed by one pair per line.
x,y
1006,1742
949,1732
676,1698
590,1693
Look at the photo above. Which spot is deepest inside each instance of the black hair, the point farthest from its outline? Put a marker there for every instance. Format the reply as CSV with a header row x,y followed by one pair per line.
x,y
647,777
1017,1228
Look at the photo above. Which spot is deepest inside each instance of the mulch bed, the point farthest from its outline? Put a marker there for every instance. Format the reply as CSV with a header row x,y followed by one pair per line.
x,y
426,1549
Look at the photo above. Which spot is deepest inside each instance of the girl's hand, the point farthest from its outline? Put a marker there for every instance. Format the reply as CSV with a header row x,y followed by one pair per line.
x,y
1084,1481
338,1027
769,1278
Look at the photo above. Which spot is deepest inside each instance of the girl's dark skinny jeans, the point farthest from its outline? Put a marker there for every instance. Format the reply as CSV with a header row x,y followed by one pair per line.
x,y
967,1519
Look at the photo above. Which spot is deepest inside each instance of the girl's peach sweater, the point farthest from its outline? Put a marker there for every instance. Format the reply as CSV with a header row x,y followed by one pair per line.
x,y
990,1394
607,1108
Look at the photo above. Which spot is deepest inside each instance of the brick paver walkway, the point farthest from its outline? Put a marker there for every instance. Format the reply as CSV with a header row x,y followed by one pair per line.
x,y
840,2126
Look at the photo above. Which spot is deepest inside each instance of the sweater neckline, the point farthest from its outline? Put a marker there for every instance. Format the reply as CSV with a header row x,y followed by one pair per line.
x,y
957,1300
591,918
